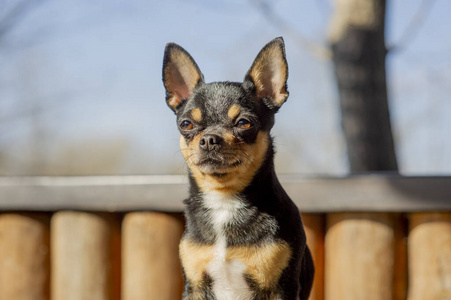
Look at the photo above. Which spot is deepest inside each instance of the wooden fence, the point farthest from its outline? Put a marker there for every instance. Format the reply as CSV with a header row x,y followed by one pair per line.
x,y
372,237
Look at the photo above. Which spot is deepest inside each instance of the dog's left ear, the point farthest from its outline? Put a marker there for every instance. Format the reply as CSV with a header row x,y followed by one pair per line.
x,y
269,74
180,75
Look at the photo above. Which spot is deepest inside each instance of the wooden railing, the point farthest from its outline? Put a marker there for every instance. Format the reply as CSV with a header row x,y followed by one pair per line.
x,y
372,237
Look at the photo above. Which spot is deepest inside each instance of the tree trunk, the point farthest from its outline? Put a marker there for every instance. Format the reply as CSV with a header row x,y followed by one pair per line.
x,y
358,46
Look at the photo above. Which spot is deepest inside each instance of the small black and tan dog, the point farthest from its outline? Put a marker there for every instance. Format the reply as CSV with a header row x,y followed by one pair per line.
x,y
244,237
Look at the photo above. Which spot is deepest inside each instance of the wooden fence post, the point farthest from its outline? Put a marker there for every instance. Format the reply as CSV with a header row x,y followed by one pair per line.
x,y
430,256
24,256
151,267
314,229
360,252
85,261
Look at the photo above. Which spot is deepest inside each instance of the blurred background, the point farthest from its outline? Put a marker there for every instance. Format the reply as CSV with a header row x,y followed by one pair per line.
x,y
81,90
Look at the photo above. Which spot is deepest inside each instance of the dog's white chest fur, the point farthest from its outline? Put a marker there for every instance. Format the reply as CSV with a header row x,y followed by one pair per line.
x,y
228,275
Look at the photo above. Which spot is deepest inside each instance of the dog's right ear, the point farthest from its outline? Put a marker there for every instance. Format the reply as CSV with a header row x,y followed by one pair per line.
x,y
269,74
180,75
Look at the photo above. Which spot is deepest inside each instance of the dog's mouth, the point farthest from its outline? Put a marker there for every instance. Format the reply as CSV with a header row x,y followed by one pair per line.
x,y
218,165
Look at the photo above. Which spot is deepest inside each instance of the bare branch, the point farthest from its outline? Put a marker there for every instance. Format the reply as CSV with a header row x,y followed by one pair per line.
x,y
413,27
14,15
319,51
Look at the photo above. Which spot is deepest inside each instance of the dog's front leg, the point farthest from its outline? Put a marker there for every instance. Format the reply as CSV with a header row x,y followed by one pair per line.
x,y
201,291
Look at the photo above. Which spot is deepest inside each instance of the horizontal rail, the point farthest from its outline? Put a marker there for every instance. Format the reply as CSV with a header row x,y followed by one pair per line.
x,y
374,193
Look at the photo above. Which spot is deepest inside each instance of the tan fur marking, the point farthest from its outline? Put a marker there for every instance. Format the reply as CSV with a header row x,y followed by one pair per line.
x,y
233,112
195,259
264,263
196,114
238,177
229,138
189,150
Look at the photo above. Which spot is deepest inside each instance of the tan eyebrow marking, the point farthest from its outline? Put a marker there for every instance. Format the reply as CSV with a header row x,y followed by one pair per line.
x,y
233,112
196,114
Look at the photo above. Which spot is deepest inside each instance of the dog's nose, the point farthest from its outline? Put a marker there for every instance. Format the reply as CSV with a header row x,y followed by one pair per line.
x,y
210,142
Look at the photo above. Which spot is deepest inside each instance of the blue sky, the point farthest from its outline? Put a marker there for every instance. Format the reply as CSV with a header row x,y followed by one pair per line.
x,y
95,69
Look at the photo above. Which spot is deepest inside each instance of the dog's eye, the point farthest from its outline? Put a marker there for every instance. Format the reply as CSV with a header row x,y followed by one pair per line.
x,y
186,125
243,124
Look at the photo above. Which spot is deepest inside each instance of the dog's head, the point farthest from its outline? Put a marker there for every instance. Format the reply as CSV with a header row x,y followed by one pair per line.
x,y
225,126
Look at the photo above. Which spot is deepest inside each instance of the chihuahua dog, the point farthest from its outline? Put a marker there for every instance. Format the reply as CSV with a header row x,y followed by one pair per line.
x,y
244,237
